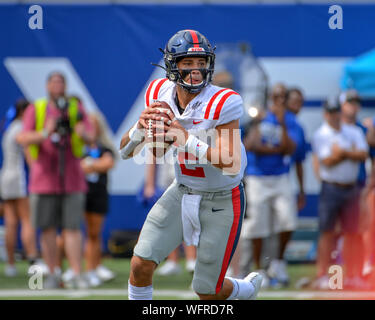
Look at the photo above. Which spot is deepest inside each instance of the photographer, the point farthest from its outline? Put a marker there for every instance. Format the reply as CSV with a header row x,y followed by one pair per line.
x,y
55,131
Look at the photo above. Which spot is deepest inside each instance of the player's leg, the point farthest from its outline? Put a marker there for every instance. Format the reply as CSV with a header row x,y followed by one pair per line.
x,y
218,241
160,234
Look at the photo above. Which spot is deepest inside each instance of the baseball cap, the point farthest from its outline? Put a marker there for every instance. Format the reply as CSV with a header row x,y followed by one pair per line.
x,y
350,96
332,104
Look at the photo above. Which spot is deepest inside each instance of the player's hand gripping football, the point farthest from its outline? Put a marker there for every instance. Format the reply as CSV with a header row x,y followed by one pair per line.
x,y
150,113
173,130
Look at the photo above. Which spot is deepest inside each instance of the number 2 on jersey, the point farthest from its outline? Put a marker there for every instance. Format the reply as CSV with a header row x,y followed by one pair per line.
x,y
197,172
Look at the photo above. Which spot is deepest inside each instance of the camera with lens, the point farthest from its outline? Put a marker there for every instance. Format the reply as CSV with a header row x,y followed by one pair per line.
x,y
62,123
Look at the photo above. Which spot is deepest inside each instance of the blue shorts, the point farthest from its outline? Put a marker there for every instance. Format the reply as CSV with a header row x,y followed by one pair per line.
x,y
339,204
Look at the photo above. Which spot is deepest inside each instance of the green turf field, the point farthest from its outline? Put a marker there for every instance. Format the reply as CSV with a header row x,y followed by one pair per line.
x,y
174,287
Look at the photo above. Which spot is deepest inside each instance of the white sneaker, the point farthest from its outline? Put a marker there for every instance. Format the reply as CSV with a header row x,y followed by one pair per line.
x,y
41,266
93,279
169,268
321,283
51,281
77,282
67,276
266,280
256,280
277,270
10,270
58,272
367,268
104,274
81,282
190,265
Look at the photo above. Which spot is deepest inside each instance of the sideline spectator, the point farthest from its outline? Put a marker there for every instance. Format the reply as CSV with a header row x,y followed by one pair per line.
x,y
55,131
339,148
271,203
367,204
350,106
99,159
13,186
294,104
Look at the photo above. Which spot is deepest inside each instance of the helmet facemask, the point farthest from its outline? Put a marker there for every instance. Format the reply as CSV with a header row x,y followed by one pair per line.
x,y
187,82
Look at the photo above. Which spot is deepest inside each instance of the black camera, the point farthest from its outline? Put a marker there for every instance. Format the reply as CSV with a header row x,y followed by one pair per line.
x,y
62,123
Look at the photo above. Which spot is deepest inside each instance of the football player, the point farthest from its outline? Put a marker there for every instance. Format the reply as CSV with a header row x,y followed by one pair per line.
x,y
206,203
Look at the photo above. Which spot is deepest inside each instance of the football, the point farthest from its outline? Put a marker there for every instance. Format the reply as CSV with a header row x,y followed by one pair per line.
x,y
158,145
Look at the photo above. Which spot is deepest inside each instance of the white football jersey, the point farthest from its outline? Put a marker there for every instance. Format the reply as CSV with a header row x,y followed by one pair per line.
x,y
212,107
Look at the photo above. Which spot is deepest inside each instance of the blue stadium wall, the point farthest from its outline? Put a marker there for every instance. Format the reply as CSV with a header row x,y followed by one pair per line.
x,y
111,47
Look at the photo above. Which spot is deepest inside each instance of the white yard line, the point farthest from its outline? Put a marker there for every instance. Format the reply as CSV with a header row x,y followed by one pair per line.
x,y
185,294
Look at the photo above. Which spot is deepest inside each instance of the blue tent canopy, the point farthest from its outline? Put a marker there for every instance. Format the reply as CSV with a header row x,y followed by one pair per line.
x,y
359,74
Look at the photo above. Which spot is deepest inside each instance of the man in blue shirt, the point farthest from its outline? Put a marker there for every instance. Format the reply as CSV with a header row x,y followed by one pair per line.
x,y
271,205
294,104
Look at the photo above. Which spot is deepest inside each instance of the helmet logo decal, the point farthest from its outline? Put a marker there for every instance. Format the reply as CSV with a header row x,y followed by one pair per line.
x,y
196,49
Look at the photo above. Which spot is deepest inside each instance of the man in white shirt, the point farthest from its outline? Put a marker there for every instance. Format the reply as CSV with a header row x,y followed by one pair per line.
x,y
339,148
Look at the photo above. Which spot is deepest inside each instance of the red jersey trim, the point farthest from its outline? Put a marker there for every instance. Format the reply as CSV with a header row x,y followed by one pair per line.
x,y
221,103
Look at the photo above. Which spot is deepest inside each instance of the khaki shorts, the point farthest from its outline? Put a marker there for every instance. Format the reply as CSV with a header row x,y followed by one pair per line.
x,y
220,215
271,206
57,211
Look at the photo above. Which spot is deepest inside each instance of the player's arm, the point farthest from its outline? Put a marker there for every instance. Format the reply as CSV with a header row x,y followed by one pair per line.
x,y
226,154
132,141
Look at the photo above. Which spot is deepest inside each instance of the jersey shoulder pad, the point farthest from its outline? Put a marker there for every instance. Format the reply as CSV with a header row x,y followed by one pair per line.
x,y
155,90
222,101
